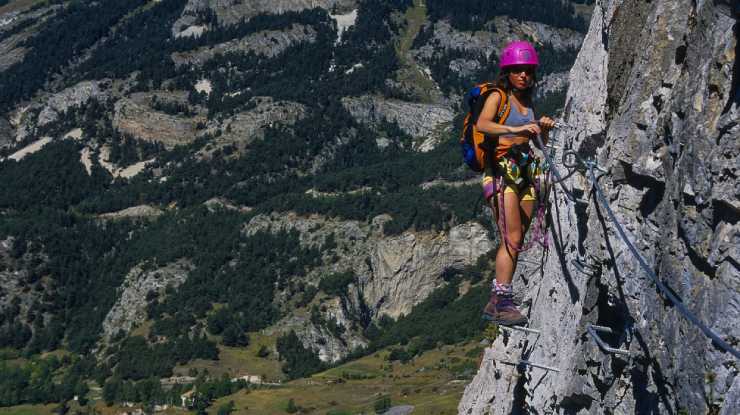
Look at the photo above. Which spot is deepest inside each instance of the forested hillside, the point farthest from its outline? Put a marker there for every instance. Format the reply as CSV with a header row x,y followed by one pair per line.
x,y
183,192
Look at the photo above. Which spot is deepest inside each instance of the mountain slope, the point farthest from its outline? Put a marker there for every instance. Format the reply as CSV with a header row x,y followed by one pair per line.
x,y
183,177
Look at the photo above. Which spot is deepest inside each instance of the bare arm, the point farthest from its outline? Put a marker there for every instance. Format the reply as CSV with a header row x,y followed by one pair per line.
x,y
547,124
486,125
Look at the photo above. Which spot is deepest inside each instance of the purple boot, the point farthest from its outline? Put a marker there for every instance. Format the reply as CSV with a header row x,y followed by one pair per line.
x,y
501,310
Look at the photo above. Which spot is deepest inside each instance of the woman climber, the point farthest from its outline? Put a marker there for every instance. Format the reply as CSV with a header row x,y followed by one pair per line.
x,y
513,176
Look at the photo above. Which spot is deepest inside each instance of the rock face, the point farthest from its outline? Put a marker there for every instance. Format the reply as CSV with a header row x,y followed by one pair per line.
x,y
393,273
130,309
405,269
267,43
27,119
662,120
244,127
231,11
11,44
483,42
144,123
418,120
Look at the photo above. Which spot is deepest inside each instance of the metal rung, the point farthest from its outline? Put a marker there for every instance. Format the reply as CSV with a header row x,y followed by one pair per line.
x,y
527,363
581,201
520,328
592,329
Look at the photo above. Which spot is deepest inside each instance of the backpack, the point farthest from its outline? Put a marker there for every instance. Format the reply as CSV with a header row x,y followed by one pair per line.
x,y
473,143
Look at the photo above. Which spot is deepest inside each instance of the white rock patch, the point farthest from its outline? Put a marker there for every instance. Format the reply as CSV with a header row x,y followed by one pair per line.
x,y
204,85
116,171
134,169
195,31
30,149
74,134
86,160
344,22
352,69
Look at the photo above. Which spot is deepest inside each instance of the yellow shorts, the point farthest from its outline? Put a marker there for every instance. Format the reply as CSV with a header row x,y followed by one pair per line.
x,y
525,194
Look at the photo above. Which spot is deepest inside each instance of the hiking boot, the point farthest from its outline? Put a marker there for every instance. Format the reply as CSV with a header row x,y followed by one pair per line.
x,y
501,310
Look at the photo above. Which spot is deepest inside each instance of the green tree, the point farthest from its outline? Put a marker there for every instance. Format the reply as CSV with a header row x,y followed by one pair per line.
x,y
382,404
291,408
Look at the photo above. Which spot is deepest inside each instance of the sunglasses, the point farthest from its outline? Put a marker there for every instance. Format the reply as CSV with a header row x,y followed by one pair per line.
x,y
527,69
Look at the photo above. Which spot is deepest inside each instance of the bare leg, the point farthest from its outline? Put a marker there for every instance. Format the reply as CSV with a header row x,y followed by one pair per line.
x,y
505,256
526,211
517,215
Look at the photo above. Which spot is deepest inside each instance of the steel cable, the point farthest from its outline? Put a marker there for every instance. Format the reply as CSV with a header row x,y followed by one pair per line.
x,y
643,263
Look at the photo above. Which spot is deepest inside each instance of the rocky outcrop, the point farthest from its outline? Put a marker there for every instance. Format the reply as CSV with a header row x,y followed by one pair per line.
x,y
539,33
247,126
318,337
446,37
393,274
141,122
134,212
268,43
418,120
661,119
12,51
405,269
130,308
550,83
49,109
11,44
230,11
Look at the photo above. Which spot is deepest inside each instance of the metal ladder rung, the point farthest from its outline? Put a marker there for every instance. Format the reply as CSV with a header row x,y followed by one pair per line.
x,y
593,329
521,328
526,363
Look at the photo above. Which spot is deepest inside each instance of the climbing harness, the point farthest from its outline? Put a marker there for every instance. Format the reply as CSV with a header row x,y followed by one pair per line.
x,y
520,167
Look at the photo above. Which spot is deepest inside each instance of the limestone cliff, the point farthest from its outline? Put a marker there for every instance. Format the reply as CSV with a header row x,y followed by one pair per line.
x,y
653,100
232,11
393,273
130,308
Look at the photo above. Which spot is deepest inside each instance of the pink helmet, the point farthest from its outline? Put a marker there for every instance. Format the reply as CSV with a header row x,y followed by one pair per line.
x,y
518,52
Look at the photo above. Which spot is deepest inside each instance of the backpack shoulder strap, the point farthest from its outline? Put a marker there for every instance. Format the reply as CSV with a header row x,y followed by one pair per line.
x,y
504,106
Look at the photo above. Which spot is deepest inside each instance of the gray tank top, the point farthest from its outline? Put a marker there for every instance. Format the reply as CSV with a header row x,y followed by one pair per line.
x,y
516,119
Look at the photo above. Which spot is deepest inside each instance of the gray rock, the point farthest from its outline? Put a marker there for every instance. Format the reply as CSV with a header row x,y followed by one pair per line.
x,y
418,120
267,43
134,212
554,82
656,117
11,48
76,95
130,308
245,127
393,273
49,107
400,410
144,123
490,42
232,11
